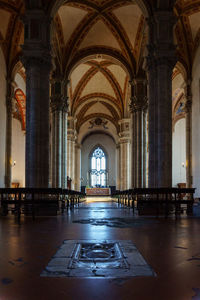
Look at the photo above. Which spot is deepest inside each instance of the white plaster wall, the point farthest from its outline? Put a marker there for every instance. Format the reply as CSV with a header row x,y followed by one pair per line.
x,y
109,145
2,117
179,153
196,124
18,153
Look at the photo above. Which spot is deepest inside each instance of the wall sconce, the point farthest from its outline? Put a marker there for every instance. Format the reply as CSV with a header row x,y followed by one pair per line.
x,y
14,163
183,164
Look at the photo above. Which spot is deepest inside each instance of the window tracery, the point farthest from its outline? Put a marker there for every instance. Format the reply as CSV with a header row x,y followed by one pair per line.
x,y
98,171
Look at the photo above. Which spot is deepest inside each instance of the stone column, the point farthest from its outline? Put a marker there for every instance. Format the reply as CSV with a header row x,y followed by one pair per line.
x,y
138,101
73,160
139,165
77,167
133,138
188,118
71,137
144,146
37,62
58,128
68,155
8,158
153,128
124,142
160,63
118,166
64,147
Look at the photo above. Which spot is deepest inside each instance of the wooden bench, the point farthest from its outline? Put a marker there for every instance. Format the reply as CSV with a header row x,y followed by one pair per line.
x,y
157,201
36,201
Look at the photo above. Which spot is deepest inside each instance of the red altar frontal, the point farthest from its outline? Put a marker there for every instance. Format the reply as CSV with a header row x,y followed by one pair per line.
x,y
97,191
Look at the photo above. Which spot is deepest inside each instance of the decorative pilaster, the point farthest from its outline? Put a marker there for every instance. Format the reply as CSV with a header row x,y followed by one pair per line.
x,y
188,114
160,63
8,158
124,153
59,108
37,62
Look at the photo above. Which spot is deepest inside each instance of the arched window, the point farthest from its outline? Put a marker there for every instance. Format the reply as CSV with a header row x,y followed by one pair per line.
x,y
98,171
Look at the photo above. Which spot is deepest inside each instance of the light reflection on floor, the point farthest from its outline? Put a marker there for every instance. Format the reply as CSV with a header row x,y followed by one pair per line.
x,y
171,246
98,199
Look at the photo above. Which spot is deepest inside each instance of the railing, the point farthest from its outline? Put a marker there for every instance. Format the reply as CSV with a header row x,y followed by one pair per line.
x,y
37,201
157,201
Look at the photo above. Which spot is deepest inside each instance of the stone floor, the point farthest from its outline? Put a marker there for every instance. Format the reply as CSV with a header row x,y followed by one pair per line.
x,y
171,247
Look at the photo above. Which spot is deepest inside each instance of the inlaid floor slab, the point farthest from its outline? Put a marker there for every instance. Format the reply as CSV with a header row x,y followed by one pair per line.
x,y
97,258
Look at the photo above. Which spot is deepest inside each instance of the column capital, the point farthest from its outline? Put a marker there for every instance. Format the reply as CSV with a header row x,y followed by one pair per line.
x,y
138,97
31,59
71,122
124,133
78,146
160,57
71,135
58,103
124,140
59,98
37,46
71,128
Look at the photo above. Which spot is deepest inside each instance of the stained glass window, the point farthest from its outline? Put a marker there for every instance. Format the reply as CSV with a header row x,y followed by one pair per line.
x,y
98,168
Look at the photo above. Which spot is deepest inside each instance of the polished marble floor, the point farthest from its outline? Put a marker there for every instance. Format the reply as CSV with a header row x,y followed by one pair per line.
x,y
171,247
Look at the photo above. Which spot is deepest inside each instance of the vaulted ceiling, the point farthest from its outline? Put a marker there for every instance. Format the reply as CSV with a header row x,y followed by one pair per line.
x,y
99,45
116,30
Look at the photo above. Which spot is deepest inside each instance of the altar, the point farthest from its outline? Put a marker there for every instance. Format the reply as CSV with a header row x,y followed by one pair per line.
x,y
97,191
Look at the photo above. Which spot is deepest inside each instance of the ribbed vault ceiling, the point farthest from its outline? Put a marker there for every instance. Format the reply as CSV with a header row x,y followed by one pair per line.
x,y
99,45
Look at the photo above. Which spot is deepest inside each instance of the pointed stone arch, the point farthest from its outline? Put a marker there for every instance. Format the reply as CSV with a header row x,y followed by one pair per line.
x,y
144,5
